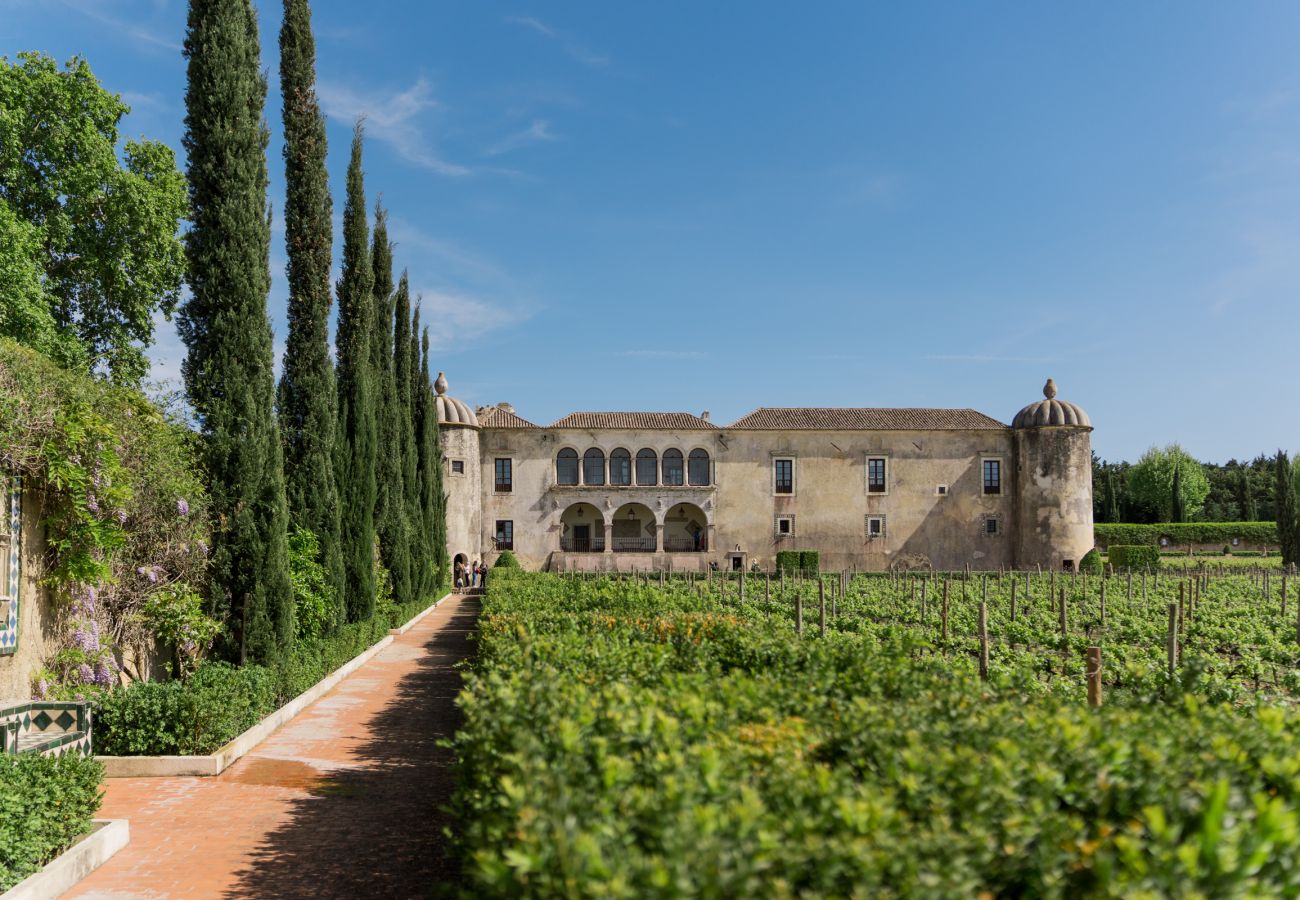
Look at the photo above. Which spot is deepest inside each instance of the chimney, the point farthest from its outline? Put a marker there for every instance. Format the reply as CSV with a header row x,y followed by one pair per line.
x,y
705,415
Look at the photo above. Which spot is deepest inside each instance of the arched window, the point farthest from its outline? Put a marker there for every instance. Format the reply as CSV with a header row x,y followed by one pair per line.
x,y
593,466
699,467
620,467
566,466
673,474
647,467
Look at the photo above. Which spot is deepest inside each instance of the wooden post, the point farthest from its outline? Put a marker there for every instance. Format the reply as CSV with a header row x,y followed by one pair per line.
x,y
984,640
1094,676
1065,622
1171,639
944,612
821,604
767,589
742,587
1130,587
924,585
1013,599
1103,604
798,611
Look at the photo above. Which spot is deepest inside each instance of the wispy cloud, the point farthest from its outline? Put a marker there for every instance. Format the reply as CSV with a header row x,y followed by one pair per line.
x,y
454,318
133,30
567,42
393,118
536,133
138,101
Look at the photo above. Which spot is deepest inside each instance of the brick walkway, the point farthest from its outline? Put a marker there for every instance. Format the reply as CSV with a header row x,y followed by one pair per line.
x,y
343,801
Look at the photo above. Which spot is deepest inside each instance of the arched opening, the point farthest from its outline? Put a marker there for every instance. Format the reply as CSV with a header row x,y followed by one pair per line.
x,y
697,468
582,529
634,529
686,529
566,466
460,571
647,467
674,473
593,466
620,467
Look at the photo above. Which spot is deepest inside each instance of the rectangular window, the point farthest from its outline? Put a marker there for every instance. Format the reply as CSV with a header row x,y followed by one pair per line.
x,y
875,527
505,476
783,475
458,467
876,475
784,526
992,476
505,537
992,526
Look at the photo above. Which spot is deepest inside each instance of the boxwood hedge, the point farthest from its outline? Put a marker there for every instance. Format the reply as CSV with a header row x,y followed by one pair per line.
x,y
45,804
1187,532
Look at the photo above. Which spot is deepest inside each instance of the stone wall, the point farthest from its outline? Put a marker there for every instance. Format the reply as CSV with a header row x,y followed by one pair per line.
x,y
464,491
36,635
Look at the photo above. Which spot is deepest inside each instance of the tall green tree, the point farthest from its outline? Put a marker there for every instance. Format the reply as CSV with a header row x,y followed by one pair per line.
x,y
307,402
228,370
1112,497
405,356
433,501
89,243
1151,482
1176,503
1246,497
390,507
355,445
1288,525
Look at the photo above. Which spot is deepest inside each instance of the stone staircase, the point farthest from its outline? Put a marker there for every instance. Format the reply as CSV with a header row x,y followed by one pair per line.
x,y
47,727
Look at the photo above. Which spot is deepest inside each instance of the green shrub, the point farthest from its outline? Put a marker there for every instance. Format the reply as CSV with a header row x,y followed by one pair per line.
x,y
810,561
1091,563
185,718
46,802
506,560
1134,556
314,609
1186,532
788,561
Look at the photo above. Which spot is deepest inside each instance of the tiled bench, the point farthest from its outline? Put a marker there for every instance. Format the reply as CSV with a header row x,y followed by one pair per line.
x,y
47,727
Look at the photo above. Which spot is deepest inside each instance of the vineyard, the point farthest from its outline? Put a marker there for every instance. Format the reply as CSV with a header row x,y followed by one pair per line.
x,y
861,737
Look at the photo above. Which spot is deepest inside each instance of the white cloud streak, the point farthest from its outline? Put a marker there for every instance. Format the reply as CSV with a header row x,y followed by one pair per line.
x,y
567,42
536,133
454,318
392,118
136,32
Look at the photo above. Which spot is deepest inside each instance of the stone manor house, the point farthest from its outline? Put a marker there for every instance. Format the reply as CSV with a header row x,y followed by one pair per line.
x,y
870,489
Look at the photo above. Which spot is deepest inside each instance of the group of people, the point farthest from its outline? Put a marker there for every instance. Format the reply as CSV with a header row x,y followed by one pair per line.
x,y
470,576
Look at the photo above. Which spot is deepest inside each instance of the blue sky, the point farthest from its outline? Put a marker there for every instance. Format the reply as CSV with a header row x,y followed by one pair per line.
x,y
688,206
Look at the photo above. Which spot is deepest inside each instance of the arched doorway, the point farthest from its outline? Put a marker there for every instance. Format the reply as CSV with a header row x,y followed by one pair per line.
x,y
634,529
686,529
459,565
582,529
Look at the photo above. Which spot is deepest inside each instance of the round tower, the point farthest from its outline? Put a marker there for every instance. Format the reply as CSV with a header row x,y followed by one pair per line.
x,y
1053,483
462,474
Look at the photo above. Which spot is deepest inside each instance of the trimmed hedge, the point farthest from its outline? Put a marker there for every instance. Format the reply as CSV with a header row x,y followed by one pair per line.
x,y
1187,532
46,802
810,561
787,561
1091,563
506,560
1134,556
220,702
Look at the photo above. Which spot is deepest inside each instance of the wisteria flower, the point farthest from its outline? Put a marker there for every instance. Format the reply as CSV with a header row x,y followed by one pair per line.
x,y
92,503
183,506
103,675
87,673
121,517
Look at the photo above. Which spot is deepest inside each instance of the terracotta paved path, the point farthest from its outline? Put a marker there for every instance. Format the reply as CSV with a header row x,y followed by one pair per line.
x,y
343,801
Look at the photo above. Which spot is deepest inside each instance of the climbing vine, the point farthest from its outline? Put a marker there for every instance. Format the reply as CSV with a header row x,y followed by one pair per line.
x,y
122,503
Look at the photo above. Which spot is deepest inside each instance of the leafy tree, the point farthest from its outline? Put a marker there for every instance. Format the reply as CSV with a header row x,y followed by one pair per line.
x,y
224,323
1151,483
90,244
390,494
307,401
355,447
1288,525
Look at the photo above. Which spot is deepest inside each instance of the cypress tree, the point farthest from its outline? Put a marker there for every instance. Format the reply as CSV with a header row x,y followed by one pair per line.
x,y
1288,526
307,401
1249,511
403,369
1112,497
355,447
228,368
433,501
389,492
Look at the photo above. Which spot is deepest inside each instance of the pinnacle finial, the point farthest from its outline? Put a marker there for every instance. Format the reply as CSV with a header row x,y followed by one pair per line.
x,y
441,384
1049,389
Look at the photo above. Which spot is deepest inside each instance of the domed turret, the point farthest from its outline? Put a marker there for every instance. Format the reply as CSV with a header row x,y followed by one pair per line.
x,y
1050,411
450,410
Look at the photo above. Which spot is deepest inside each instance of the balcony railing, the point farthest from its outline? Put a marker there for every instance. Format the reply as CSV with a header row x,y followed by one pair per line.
x,y
634,545
499,544
582,545
686,545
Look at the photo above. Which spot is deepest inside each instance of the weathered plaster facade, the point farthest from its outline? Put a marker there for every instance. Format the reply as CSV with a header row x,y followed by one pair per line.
x,y
558,502
31,640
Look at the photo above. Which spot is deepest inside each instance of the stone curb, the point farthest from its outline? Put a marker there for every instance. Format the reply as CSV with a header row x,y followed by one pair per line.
x,y
63,872
216,763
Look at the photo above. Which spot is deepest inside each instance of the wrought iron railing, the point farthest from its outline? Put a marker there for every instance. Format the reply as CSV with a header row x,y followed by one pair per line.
x,y
686,545
582,545
634,545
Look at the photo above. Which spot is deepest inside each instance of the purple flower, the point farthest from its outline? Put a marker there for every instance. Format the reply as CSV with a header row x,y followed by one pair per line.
x,y
121,517
92,503
42,689
103,675
80,640
150,572
203,548
87,674
183,506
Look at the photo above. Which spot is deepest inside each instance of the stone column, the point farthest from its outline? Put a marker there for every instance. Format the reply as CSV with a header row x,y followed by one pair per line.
x,y
609,536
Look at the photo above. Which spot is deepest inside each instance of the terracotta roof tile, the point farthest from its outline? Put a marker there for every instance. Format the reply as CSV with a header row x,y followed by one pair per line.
x,y
824,419
650,420
496,417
